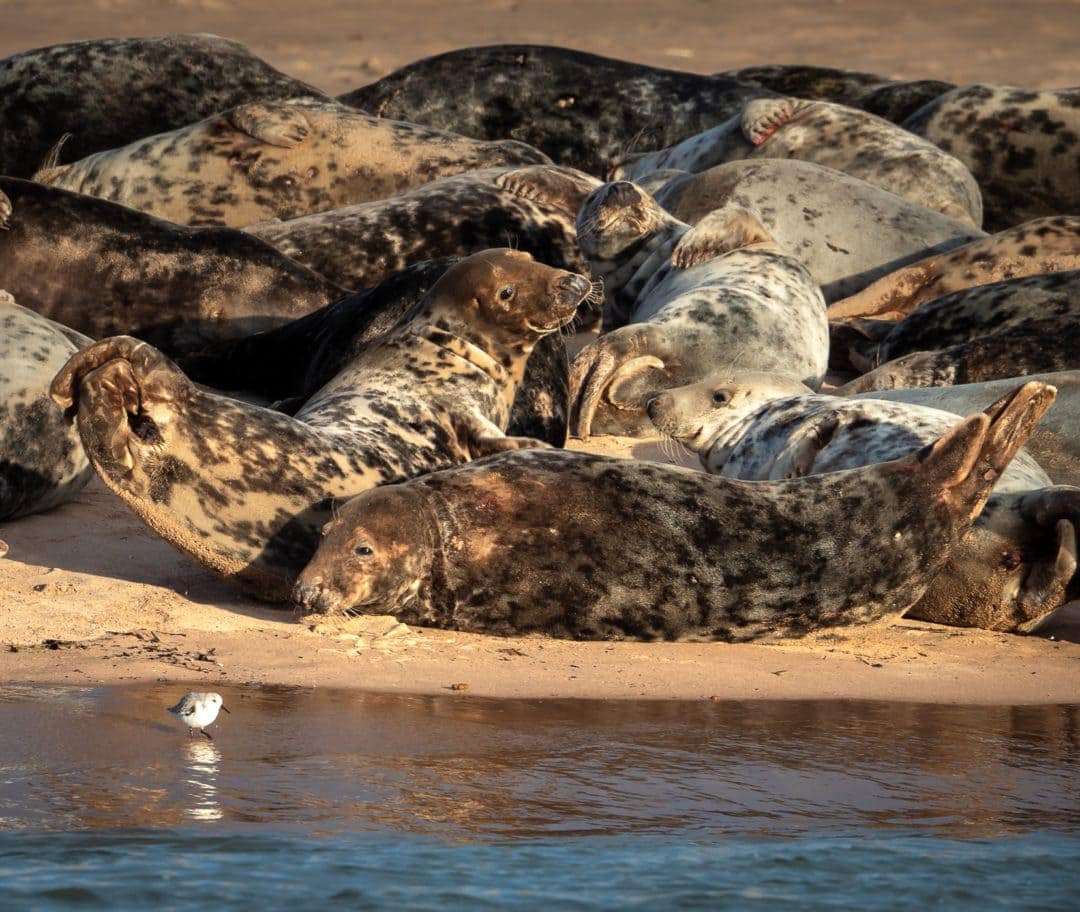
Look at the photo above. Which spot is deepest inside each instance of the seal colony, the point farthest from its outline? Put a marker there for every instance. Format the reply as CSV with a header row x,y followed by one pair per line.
x,y
356,402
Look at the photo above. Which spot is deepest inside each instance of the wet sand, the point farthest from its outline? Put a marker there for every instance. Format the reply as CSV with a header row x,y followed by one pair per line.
x,y
89,595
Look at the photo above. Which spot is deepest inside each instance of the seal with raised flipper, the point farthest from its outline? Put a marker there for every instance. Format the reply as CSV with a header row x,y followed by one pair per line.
x,y
265,160
845,231
589,547
108,92
1013,569
684,300
243,490
835,136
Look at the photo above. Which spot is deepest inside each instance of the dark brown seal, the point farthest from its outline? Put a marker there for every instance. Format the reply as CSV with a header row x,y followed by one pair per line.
x,y
243,490
104,269
590,547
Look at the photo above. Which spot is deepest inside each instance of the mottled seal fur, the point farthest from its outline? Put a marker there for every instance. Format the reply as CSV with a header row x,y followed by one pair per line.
x,y
966,315
682,301
282,159
42,463
1056,441
835,136
1012,569
243,490
893,99
109,92
105,269
586,546
530,208
1028,347
581,109
1021,145
845,231
1040,246
288,365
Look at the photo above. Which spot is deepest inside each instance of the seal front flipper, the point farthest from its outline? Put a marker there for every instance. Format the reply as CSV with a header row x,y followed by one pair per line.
x,y
5,211
764,116
565,188
480,437
728,228
276,125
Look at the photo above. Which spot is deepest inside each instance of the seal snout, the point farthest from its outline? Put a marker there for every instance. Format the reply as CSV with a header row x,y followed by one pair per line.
x,y
312,596
658,406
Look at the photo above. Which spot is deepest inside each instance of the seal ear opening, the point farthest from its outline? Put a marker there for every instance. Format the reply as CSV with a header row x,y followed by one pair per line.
x,y
721,231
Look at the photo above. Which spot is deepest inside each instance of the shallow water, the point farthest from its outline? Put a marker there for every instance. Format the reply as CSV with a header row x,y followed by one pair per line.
x,y
452,802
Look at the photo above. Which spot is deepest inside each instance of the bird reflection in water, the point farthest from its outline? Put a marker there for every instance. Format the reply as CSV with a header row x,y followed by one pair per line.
x,y
203,759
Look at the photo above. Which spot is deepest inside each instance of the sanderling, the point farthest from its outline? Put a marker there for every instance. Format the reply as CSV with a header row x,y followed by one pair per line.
x,y
197,710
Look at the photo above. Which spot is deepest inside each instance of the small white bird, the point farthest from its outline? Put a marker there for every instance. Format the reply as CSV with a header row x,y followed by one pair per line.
x,y
197,710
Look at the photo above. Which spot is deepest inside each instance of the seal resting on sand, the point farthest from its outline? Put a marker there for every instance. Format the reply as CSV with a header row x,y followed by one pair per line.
x,y
284,159
1009,572
243,490
590,547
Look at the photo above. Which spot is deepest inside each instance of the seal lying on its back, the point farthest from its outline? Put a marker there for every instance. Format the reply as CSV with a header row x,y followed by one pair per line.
x,y
293,362
42,463
686,300
581,109
104,269
1041,246
893,99
834,136
1021,145
1056,441
1029,347
243,490
968,314
277,160
844,230
109,92
585,546
1008,573
530,208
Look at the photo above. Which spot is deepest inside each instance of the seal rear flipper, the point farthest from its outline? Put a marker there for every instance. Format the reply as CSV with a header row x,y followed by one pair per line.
x,y
1047,585
276,125
723,230
970,458
764,116
142,356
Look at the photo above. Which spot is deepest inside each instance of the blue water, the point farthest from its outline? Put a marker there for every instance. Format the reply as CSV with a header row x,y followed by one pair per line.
x,y
317,799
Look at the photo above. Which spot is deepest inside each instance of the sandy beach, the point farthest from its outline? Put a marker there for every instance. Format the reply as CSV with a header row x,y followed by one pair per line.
x,y
89,595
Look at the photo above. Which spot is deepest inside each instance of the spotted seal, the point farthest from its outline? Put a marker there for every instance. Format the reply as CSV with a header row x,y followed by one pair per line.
x,y
893,99
531,208
109,92
835,136
42,463
1012,569
1056,441
281,160
1028,347
966,315
844,230
243,490
291,363
683,300
103,269
522,542
581,109
1021,145
1044,245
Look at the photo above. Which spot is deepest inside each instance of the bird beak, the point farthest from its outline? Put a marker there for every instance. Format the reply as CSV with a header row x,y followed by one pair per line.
x,y
225,709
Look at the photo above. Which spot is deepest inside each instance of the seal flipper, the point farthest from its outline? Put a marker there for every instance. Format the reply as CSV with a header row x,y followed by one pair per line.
x,y
764,116
5,211
723,230
1046,586
480,437
276,125
548,184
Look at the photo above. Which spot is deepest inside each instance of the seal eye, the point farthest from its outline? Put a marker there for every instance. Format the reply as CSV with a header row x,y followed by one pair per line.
x,y
721,397
363,551
507,293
